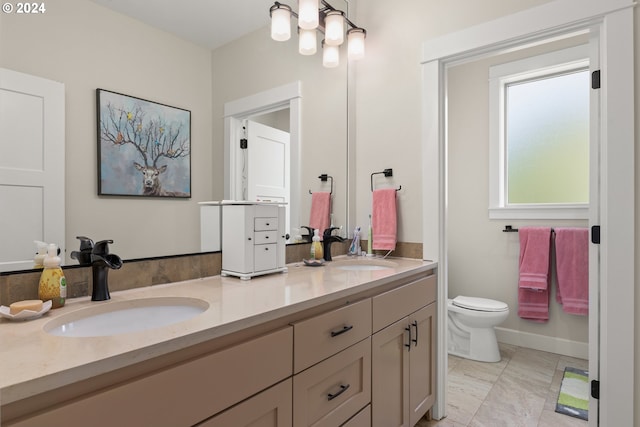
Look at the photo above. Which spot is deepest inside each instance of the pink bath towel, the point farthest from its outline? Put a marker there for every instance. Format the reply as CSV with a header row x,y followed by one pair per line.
x,y
320,211
384,219
533,281
572,269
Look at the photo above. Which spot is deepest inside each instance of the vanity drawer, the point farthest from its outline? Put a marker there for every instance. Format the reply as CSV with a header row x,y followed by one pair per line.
x,y
321,336
183,394
270,223
397,303
265,257
363,419
331,392
262,237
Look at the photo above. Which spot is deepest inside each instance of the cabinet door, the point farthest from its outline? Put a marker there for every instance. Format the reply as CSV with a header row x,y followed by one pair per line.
x,y
390,376
422,362
271,408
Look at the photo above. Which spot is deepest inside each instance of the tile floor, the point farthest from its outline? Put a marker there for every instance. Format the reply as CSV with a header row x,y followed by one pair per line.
x,y
520,390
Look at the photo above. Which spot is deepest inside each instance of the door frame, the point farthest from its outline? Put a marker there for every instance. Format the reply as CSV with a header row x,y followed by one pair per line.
x,y
278,98
612,24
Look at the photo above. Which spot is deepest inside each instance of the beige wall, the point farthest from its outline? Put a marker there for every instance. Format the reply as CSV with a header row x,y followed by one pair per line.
x,y
86,46
256,63
483,261
388,95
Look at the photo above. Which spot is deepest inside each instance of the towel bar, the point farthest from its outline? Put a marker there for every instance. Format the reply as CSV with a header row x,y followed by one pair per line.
x,y
324,177
387,173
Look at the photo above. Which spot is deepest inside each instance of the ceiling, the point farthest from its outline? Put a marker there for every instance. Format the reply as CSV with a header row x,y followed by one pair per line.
x,y
208,23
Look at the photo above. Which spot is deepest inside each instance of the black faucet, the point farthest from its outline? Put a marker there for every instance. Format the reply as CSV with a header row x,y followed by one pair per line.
x,y
101,262
84,254
327,240
309,236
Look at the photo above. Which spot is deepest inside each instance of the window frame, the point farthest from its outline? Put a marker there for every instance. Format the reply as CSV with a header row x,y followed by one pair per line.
x,y
534,67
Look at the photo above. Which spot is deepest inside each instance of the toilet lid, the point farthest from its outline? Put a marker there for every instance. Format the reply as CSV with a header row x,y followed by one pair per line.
x,y
479,304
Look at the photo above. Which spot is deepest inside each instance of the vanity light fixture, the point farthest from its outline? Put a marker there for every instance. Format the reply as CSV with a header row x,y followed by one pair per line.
x,y
312,19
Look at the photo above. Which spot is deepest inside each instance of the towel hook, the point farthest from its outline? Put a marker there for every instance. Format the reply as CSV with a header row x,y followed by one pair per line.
x,y
324,177
387,173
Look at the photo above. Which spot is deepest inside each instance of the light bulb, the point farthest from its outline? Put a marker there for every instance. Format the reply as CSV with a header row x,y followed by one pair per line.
x,y
307,42
334,28
280,22
330,55
308,14
355,40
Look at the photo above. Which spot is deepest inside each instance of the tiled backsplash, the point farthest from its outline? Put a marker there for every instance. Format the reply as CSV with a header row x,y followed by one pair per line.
x,y
155,271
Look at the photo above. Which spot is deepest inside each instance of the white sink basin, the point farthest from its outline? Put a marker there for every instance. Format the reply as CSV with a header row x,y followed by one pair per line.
x,y
113,318
359,264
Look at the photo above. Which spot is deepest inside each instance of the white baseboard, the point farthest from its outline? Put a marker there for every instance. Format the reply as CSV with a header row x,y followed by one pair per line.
x,y
543,343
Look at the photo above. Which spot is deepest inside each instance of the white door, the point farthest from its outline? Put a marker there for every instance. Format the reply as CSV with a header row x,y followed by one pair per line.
x,y
268,165
31,167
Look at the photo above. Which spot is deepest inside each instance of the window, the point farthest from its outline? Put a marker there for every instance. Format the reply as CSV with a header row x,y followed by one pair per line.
x,y
539,112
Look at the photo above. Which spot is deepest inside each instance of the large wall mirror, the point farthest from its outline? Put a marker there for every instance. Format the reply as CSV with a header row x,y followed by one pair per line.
x,y
86,46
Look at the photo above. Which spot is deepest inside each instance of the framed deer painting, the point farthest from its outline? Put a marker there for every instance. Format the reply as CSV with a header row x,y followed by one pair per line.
x,y
144,148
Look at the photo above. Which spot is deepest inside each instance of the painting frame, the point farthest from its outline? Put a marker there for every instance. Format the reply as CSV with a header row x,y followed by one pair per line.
x,y
144,147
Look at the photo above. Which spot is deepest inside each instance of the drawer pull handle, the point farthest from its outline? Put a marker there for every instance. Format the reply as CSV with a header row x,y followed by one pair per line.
x,y
408,328
341,331
415,325
343,388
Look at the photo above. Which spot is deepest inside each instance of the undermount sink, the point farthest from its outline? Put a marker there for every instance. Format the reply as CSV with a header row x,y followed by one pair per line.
x,y
113,318
364,264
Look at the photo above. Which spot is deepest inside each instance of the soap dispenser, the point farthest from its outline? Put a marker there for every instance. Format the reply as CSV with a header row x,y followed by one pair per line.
x,y
316,246
38,260
53,285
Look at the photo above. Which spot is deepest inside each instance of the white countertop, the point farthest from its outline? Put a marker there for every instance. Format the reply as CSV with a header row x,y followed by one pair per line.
x,y
33,361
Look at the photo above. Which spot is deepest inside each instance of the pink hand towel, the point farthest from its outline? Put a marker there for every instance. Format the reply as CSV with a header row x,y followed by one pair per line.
x,y
320,211
384,219
533,282
572,269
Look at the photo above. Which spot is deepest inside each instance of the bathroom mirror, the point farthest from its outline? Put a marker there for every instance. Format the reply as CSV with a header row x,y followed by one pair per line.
x,y
87,46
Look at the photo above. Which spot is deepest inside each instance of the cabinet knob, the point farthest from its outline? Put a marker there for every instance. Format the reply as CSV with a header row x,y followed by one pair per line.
x,y
248,238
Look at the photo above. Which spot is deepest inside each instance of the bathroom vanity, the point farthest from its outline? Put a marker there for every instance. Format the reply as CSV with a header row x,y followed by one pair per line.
x,y
349,344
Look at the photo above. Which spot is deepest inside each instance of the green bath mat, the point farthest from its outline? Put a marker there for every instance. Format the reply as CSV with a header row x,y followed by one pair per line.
x,y
573,398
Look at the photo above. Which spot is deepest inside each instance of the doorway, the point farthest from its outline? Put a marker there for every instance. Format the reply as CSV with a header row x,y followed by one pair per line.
x,y
610,27
237,112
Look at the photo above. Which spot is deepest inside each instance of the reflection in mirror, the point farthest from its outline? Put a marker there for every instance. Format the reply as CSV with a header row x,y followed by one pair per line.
x,y
319,93
76,43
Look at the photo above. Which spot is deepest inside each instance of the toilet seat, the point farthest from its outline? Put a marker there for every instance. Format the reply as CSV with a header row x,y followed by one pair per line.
x,y
479,304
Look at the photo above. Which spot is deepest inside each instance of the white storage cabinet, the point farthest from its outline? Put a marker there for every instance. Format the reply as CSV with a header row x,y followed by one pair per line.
x,y
253,239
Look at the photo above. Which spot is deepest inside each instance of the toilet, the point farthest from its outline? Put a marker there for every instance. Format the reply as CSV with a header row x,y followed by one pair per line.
x,y
471,323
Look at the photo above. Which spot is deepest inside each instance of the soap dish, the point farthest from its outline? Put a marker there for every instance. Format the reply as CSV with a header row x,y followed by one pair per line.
x,y
25,314
313,262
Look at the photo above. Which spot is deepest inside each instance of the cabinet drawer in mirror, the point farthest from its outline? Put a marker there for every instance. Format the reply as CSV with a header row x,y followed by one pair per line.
x,y
331,392
265,257
262,237
261,224
321,336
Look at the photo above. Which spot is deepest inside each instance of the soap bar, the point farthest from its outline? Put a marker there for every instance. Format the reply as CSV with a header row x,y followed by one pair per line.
x,y
31,304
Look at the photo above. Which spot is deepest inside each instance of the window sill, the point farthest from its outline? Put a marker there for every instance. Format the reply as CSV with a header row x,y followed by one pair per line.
x,y
540,212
